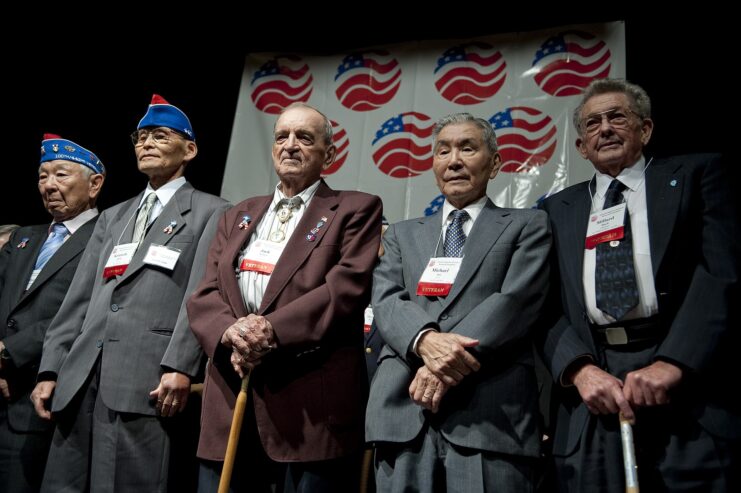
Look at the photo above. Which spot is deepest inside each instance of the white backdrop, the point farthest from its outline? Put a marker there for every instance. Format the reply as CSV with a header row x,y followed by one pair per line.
x,y
383,102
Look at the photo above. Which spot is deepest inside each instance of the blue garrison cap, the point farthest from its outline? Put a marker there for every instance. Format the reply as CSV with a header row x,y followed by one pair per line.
x,y
163,114
54,147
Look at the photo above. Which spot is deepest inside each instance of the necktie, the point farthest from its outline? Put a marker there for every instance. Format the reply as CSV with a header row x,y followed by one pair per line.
x,y
455,238
142,219
51,245
615,285
285,212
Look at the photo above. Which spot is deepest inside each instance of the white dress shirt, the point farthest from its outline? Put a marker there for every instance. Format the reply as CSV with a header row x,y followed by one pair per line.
x,y
252,284
164,194
635,196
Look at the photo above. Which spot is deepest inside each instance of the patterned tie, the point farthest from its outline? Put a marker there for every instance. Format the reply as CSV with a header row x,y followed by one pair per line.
x,y
615,285
51,245
455,238
142,219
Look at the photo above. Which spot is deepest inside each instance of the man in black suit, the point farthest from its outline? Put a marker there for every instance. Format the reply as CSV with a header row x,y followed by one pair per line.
x,y
646,265
36,268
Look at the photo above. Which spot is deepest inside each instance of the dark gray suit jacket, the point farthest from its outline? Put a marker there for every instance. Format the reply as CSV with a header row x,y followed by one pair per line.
x,y
25,315
496,299
137,320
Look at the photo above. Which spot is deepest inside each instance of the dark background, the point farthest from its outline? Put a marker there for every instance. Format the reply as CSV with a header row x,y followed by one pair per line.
x,y
96,96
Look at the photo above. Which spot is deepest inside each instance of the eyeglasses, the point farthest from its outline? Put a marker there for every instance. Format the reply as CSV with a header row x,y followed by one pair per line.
x,y
617,118
159,136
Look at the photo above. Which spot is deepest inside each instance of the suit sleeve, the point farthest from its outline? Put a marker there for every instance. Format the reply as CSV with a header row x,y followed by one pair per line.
x,y
184,353
65,326
344,292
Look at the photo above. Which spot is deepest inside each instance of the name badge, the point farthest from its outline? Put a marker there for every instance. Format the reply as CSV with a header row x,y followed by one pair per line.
x,y
261,256
439,276
606,225
368,320
119,260
162,256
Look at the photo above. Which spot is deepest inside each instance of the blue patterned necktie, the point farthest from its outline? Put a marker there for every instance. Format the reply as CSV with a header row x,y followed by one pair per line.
x,y
455,238
615,285
51,245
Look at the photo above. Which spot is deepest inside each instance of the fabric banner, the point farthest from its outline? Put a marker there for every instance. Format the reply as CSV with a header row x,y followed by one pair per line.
x,y
384,101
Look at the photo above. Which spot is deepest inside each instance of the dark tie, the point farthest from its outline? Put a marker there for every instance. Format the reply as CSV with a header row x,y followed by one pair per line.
x,y
51,245
142,219
455,238
615,285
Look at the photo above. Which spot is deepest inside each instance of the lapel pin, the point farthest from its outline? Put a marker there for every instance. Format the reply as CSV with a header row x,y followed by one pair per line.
x,y
314,231
23,243
310,237
245,222
170,227
673,183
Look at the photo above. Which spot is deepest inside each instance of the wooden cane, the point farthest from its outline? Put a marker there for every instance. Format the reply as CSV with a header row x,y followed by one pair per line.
x,y
231,446
365,470
629,456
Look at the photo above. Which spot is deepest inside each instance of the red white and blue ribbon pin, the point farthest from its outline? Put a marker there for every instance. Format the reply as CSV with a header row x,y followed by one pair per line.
x,y
245,222
23,243
170,227
314,231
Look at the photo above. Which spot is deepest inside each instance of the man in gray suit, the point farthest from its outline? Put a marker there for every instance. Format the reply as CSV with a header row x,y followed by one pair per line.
x,y
119,356
454,404
36,268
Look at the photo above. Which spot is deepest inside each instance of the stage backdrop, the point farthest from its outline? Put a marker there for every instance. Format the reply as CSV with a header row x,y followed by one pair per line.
x,y
383,102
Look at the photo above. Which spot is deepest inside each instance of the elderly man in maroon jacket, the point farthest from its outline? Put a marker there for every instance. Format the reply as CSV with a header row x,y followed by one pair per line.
x,y
303,258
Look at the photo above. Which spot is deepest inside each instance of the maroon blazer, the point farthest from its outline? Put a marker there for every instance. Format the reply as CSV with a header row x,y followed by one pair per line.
x,y
309,394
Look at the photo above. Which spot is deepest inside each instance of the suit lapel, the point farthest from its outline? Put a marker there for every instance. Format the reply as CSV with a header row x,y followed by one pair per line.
x,y
323,207
36,239
663,192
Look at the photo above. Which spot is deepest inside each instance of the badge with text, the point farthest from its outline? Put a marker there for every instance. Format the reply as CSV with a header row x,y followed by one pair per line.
x,y
439,276
162,256
605,225
261,256
120,258
368,320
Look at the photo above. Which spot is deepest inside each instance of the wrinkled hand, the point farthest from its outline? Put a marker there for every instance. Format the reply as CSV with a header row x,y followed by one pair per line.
x,y
40,396
171,393
650,386
250,333
4,389
446,356
240,362
601,392
427,390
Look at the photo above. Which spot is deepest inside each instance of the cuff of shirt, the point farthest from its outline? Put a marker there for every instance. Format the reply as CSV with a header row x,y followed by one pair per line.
x,y
415,343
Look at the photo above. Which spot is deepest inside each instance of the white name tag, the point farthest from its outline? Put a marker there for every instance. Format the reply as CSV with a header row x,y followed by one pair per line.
x,y
162,256
605,225
34,275
120,259
439,276
261,256
368,320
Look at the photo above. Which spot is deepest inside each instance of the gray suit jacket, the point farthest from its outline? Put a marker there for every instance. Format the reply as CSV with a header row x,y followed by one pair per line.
x,y
495,299
137,320
26,314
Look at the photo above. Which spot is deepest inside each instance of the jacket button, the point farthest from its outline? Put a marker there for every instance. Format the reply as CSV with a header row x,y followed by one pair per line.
x,y
11,323
444,316
99,343
368,350
114,307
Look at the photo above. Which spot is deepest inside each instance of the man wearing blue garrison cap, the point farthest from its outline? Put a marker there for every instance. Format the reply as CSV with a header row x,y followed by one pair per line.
x,y
36,267
119,357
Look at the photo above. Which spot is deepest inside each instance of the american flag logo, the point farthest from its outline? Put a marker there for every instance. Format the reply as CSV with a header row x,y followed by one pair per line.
x,y
367,81
435,205
279,82
526,138
470,73
342,143
402,147
566,63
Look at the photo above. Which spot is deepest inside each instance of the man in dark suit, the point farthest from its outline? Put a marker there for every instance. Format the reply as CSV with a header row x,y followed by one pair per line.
x,y
36,268
645,269
454,403
303,258
119,355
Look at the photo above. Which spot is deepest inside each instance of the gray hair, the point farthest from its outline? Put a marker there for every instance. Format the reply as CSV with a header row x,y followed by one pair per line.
x,y
328,134
638,99
87,171
457,118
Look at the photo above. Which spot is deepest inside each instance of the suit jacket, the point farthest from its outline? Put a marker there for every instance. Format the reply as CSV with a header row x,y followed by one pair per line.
x,y
136,321
694,241
309,393
495,298
373,345
26,315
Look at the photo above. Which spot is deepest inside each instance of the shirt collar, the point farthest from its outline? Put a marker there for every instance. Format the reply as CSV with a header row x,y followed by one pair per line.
x,y
473,209
165,192
306,195
631,177
74,224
